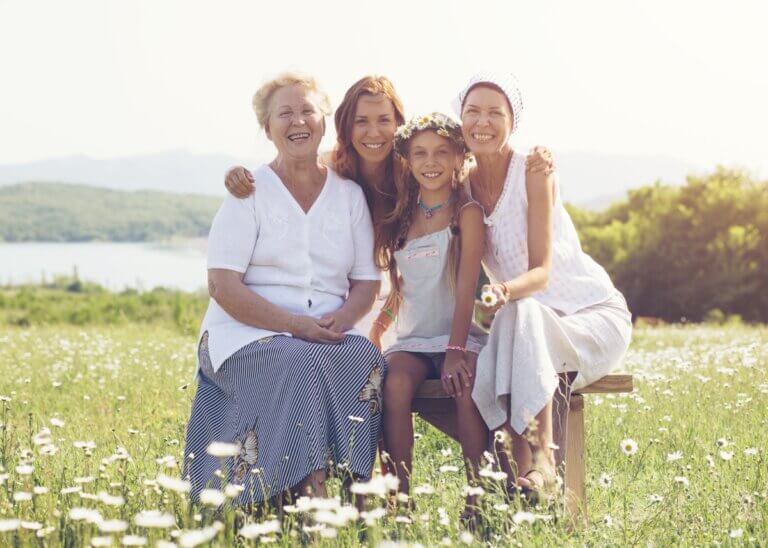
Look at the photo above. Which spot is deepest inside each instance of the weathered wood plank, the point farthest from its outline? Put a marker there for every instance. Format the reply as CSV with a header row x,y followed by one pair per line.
x,y
575,465
433,389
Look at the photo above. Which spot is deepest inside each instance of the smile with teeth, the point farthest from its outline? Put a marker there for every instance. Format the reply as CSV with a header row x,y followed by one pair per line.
x,y
374,146
432,174
482,136
298,136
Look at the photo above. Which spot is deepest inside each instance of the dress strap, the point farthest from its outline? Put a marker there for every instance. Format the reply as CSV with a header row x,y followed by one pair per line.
x,y
464,200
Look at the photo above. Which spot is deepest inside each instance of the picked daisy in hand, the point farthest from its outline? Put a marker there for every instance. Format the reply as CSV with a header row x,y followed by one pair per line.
x,y
488,297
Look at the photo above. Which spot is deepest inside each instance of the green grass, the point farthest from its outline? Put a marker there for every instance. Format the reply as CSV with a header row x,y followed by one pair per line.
x,y
131,386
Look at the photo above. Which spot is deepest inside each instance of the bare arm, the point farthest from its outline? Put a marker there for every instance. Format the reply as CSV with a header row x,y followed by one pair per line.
x,y
540,188
229,291
385,319
472,234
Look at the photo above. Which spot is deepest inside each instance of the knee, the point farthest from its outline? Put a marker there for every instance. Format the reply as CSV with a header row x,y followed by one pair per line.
x,y
399,391
464,401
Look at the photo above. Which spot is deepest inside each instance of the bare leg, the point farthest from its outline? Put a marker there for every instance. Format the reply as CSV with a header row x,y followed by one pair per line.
x,y
313,485
473,433
512,451
405,374
539,436
520,454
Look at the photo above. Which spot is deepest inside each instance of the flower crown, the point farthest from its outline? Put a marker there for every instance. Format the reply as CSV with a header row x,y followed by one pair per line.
x,y
441,124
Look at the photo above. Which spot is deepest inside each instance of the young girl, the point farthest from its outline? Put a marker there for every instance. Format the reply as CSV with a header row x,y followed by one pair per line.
x,y
434,266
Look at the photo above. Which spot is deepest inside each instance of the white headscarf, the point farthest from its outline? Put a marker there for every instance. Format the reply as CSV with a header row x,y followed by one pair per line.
x,y
507,82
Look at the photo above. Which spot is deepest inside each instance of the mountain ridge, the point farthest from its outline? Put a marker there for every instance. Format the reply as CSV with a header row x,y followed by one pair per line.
x,y
587,180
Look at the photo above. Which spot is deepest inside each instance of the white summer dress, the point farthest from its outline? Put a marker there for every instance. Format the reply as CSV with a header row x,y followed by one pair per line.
x,y
428,303
580,322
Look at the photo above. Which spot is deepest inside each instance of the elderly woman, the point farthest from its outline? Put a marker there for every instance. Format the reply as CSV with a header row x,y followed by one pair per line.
x,y
283,379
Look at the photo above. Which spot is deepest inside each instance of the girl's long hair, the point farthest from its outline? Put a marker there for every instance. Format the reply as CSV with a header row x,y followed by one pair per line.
x,y
346,162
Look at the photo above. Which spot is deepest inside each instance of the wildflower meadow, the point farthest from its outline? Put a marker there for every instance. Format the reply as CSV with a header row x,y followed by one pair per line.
x,y
92,431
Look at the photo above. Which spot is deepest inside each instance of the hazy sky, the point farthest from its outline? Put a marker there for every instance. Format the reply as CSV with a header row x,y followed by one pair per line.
x,y
682,79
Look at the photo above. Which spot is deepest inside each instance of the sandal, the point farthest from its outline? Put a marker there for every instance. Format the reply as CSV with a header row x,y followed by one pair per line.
x,y
540,487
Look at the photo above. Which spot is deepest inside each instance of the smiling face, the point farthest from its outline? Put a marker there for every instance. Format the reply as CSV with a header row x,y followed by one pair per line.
x,y
295,124
373,128
433,160
486,120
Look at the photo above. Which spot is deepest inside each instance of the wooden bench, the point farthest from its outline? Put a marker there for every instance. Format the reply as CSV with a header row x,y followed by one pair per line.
x,y
436,407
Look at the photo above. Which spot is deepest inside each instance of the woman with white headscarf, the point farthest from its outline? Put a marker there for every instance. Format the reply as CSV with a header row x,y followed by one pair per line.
x,y
556,309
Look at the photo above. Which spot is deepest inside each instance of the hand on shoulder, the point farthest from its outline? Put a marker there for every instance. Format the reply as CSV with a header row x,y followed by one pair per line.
x,y
540,160
239,182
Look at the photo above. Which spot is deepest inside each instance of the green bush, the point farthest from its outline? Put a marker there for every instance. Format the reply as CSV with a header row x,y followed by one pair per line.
x,y
685,251
57,303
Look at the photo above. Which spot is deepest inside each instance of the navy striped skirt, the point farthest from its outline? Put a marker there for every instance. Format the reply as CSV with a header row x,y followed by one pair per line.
x,y
292,407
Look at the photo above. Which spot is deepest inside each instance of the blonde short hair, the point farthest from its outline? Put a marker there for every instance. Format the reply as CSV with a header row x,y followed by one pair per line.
x,y
263,95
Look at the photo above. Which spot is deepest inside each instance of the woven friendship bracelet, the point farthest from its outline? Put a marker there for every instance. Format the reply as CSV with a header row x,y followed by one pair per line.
x,y
456,347
389,313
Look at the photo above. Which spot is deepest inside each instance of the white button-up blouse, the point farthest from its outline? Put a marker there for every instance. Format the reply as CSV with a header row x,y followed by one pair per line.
x,y
301,262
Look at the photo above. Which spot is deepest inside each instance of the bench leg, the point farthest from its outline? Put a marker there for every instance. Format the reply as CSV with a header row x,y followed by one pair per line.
x,y
575,469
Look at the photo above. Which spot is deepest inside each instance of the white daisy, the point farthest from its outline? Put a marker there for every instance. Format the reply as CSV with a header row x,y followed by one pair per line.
x,y
605,480
212,497
672,457
629,447
174,484
726,455
222,449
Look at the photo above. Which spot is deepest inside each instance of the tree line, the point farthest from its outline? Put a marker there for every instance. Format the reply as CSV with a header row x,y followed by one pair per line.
x,y
55,212
693,252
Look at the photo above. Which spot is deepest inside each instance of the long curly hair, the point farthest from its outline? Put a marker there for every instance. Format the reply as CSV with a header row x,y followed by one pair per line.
x,y
346,161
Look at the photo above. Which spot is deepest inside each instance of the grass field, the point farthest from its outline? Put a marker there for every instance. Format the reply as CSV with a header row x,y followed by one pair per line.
x,y
92,417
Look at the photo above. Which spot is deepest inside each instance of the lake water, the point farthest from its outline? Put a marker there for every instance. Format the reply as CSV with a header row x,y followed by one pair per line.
x,y
116,266
178,265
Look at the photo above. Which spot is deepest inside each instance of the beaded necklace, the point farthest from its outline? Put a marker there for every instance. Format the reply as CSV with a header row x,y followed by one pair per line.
x,y
429,211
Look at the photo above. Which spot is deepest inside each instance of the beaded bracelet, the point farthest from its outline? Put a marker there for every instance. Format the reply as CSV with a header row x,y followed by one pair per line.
x,y
389,313
456,347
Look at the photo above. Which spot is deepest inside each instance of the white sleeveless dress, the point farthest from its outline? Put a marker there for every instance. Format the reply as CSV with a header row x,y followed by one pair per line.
x,y
580,322
428,302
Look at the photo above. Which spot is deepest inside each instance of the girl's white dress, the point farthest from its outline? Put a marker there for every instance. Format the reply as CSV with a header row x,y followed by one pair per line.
x,y
580,322
428,301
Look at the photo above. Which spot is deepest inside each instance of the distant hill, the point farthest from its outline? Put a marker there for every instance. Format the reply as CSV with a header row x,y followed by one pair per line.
x,y
57,212
587,179
172,171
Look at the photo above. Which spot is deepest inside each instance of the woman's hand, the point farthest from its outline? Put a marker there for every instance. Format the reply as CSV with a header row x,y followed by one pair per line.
x,y
314,330
493,297
239,182
540,160
457,373
338,321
